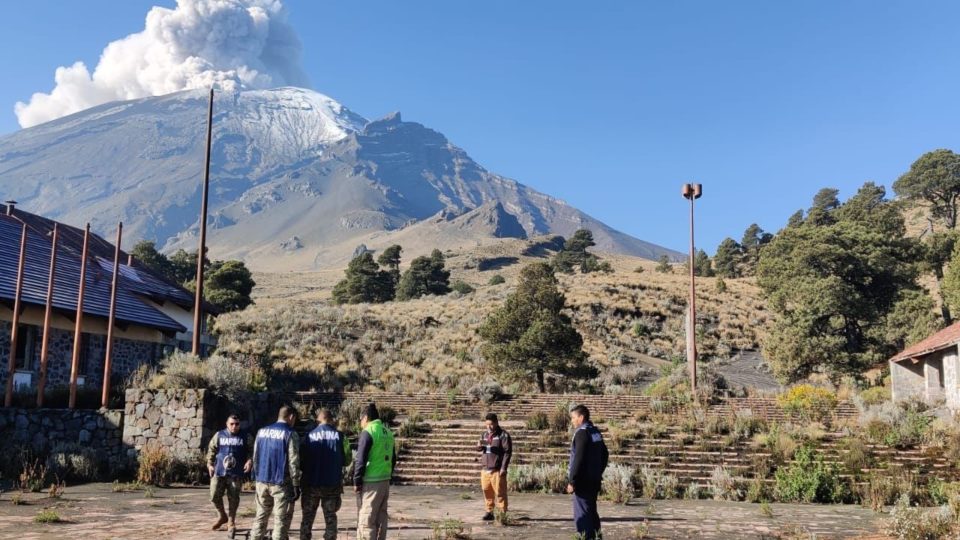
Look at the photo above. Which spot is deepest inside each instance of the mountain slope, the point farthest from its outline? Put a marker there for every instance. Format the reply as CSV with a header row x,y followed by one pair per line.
x,y
297,180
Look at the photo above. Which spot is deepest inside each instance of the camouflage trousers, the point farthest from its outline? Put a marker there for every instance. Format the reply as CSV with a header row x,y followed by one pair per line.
x,y
327,498
275,500
229,486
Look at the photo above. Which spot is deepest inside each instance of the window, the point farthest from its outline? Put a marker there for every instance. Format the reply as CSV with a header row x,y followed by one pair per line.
x,y
26,337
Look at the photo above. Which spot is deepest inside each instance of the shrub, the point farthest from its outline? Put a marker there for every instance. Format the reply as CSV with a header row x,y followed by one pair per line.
x,y
412,427
228,378
462,287
448,529
560,418
655,484
70,461
808,479
856,455
546,478
808,402
746,424
721,285
155,465
183,370
486,392
875,395
47,516
496,280
724,485
618,483
911,523
348,416
538,420
33,475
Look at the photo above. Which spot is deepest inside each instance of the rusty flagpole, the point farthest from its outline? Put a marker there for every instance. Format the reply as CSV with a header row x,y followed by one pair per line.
x,y
78,322
198,298
108,356
14,328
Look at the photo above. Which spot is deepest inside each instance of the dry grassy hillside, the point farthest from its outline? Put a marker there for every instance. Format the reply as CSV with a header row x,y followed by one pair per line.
x,y
631,321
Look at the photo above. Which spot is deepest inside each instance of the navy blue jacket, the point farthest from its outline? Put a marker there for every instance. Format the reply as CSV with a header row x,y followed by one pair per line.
x,y
588,459
325,453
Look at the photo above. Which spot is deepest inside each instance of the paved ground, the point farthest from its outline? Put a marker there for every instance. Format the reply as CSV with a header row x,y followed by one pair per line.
x,y
94,511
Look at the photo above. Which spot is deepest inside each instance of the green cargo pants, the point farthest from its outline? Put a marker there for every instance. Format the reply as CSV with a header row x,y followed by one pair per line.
x,y
327,498
276,500
229,486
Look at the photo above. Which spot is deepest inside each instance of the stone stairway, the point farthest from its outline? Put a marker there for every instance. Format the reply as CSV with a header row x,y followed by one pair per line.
x,y
445,454
521,406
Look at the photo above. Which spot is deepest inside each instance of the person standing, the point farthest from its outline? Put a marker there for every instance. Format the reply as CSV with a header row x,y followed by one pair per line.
x,y
497,449
588,459
228,460
373,468
326,451
276,469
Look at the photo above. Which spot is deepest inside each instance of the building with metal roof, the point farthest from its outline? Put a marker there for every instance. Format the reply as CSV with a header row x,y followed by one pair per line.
x,y
153,316
929,370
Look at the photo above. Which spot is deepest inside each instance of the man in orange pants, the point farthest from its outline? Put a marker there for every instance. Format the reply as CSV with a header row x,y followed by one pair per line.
x,y
496,449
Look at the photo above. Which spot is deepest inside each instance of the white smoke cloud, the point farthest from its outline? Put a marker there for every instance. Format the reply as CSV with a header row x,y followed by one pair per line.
x,y
230,44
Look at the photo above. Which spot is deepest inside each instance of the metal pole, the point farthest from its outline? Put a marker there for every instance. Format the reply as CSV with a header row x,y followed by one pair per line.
x,y
44,347
78,323
14,329
198,298
692,354
108,356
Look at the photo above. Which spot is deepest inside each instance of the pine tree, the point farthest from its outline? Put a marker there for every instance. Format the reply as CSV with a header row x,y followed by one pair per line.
x,y
530,335
727,259
426,275
364,282
664,266
390,261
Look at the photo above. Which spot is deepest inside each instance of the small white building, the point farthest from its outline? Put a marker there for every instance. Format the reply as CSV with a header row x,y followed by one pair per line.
x,y
929,370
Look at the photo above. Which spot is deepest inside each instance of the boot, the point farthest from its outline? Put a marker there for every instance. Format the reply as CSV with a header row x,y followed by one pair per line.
x,y
220,522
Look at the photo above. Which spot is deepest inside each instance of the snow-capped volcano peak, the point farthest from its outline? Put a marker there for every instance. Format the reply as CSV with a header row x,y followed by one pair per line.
x,y
285,163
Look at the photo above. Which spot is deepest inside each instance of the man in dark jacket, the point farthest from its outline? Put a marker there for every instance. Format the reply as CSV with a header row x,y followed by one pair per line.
x,y
588,459
326,451
276,468
497,449
372,471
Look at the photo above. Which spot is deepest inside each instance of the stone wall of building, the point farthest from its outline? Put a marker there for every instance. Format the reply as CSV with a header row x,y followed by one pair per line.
x,y
43,429
128,355
908,380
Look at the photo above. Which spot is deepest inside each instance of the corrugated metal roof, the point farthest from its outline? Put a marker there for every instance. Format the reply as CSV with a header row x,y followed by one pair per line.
x,y
947,337
142,279
130,308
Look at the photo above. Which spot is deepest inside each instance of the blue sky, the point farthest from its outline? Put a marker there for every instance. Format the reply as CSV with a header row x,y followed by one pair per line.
x,y
610,106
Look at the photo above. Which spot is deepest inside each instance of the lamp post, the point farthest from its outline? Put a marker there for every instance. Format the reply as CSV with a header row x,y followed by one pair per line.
x,y
692,192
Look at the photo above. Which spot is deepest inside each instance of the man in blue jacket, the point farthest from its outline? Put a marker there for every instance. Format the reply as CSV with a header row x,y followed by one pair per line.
x,y
228,460
276,468
326,451
588,459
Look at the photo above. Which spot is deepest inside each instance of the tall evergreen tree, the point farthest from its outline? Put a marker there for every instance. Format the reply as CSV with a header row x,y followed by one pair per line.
x,y
754,238
934,179
575,255
426,275
228,285
364,282
530,335
145,252
832,288
727,259
390,261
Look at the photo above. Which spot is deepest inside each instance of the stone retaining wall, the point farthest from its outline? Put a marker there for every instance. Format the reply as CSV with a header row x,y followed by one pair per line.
x,y
182,421
43,429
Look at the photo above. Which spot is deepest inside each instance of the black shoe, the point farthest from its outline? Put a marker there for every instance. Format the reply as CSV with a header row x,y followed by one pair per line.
x,y
488,516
